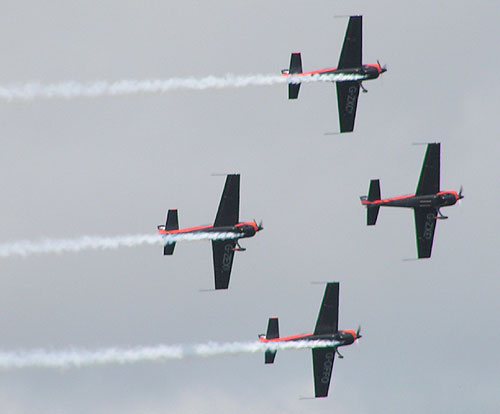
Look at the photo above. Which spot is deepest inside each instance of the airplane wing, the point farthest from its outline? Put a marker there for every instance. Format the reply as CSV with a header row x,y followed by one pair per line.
x,y
347,98
351,55
223,254
328,318
425,225
429,177
323,366
229,207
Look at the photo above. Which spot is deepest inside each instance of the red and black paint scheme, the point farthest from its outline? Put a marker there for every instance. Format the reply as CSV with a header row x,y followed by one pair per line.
x,y
226,221
326,330
350,63
426,202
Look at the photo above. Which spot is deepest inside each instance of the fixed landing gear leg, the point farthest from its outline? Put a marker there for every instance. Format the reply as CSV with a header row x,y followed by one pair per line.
x,y
238,248
441,216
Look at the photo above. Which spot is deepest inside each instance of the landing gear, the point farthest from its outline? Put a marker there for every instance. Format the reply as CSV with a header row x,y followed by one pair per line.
x,y
441,216
339,354
238,248
363,88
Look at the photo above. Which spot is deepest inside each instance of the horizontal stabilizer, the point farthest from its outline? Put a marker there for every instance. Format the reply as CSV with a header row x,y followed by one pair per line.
x,y
295,68
293,90
168,249
372,210
371,215
269,356
272,333
295,64
272,329
172,222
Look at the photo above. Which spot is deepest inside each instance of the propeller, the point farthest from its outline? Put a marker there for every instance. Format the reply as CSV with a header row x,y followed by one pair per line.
x,y
460,196
382,68
259,226
358,332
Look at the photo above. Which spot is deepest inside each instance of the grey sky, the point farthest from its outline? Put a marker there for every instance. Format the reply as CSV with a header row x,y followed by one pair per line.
x,y
113,166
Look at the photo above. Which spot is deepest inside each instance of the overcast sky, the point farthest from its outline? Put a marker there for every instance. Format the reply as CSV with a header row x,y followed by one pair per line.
x,y
113,166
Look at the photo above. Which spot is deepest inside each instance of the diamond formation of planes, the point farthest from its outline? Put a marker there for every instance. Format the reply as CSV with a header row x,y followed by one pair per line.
x,y
227,222
326,330
350,63
426,202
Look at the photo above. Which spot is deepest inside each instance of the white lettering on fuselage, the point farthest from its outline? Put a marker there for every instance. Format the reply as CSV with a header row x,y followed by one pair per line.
x,y
350,104
226,258
429,226
327,367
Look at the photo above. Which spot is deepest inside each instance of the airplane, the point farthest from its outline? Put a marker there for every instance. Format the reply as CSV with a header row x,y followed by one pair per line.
x,y
226,221
350,63
326,330
426,202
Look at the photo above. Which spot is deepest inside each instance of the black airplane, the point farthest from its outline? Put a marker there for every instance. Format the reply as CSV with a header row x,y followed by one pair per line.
x,y
426,202
227,222
326,330
350,63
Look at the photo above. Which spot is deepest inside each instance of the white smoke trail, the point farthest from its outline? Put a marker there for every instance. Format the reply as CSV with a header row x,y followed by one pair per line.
x,y
28,247
69,90
71,358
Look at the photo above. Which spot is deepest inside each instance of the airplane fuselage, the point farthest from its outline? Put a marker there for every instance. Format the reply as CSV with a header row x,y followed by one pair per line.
x,y
345,337
365,72
441,199
240,230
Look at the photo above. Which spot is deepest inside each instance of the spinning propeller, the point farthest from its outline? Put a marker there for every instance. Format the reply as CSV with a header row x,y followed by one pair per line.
x,y
358,332
382,68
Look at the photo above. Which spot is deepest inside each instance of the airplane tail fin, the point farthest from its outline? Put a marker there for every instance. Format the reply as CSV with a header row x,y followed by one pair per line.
x,y
372,209
172,223
295,68
272,333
